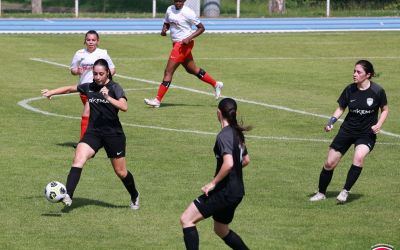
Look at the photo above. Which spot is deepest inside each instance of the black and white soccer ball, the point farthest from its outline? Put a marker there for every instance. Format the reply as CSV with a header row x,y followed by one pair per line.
x,y
55,191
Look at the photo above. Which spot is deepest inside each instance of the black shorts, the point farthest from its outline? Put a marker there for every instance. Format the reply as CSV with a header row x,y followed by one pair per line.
x,y
113,144
344,140
221,207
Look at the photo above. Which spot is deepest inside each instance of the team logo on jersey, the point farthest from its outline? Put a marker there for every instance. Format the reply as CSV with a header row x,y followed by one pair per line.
x,y
370,101
382,247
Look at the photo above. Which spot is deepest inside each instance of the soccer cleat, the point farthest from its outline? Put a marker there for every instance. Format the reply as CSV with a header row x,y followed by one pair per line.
x,y
135,204
152,102
318,197
342,197
217,89
67,201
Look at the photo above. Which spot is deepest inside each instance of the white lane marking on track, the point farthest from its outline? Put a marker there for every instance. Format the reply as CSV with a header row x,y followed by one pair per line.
x,y
211,94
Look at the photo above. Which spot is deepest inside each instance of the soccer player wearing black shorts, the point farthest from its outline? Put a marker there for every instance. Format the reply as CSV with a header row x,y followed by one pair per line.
x,y
106,98
363,98
225,192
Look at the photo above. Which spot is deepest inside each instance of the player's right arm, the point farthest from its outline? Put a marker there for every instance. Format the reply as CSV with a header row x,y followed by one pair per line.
x,y
335,116
164,29
62,90
77,71
75,67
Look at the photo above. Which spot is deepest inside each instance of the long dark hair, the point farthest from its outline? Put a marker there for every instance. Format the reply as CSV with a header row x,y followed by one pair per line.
x,y
368,67
228,108
104,63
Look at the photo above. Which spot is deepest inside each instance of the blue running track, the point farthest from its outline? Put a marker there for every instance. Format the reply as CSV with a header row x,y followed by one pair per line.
x,y
242,25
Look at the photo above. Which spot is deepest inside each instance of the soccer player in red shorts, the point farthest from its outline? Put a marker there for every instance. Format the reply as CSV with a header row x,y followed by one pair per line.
x,y
179,20
82,66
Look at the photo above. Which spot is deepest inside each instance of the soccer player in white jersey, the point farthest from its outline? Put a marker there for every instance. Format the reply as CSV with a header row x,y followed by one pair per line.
x,y
179,19
82,65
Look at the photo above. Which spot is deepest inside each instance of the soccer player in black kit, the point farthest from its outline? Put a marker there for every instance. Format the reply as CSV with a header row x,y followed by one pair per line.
x,y
105,98
363,98
224,193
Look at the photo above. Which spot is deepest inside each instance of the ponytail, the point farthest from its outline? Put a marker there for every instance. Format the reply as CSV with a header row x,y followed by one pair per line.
x,y
228,108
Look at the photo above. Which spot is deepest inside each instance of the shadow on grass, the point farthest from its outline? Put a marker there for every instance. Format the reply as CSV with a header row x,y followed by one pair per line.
x,y
67,144
82,202
332,194
55,214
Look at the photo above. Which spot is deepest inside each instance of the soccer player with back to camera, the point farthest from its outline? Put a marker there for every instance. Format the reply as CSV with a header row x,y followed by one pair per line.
x,y
225,192
364,98
106,98
82,65
179,20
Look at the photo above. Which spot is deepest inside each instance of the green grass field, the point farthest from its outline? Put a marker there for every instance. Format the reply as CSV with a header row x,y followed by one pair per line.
x,y
274,76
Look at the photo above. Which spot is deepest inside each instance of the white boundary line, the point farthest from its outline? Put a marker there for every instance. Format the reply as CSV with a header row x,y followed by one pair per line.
x,y
23,104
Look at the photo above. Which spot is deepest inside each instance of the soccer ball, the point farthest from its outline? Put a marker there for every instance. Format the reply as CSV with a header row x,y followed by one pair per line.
x,y
55,191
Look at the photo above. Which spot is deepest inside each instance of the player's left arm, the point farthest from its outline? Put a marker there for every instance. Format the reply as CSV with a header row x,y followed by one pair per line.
x,y
120,104
384,113
245,160
226,167
200,29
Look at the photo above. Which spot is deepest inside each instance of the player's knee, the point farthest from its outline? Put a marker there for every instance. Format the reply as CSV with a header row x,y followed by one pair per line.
x,y
79,160
221,231
121,173
358,161
184,220
330,165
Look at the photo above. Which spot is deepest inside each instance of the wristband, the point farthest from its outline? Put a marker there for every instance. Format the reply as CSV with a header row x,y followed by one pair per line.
x,y
331,121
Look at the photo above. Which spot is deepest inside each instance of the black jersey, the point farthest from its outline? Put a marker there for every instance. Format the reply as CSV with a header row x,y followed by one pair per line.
x,y
363,107
103,117
228,143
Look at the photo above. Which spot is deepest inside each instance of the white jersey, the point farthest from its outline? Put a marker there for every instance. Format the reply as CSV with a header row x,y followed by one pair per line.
x,y
85,60
181,22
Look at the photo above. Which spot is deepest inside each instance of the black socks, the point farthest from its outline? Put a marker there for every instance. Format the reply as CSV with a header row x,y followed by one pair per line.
x,y
234,241
324,179
191,238
129,184
352,176
72,180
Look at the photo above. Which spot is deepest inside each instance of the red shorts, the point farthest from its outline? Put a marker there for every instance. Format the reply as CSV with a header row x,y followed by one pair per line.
x,y
83,99
181,52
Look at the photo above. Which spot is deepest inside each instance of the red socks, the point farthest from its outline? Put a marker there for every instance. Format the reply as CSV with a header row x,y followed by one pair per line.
x,y
161,92
208,79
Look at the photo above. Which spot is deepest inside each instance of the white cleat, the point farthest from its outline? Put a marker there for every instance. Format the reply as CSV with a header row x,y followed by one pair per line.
x,y
152,102
217,89
342,197
318,197
67,201
135,204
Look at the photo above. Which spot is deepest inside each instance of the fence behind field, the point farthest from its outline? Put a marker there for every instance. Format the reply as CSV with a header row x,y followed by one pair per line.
x,y
227,8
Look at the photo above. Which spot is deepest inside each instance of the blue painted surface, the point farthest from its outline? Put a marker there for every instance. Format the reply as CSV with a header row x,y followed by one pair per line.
x,y
212,25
